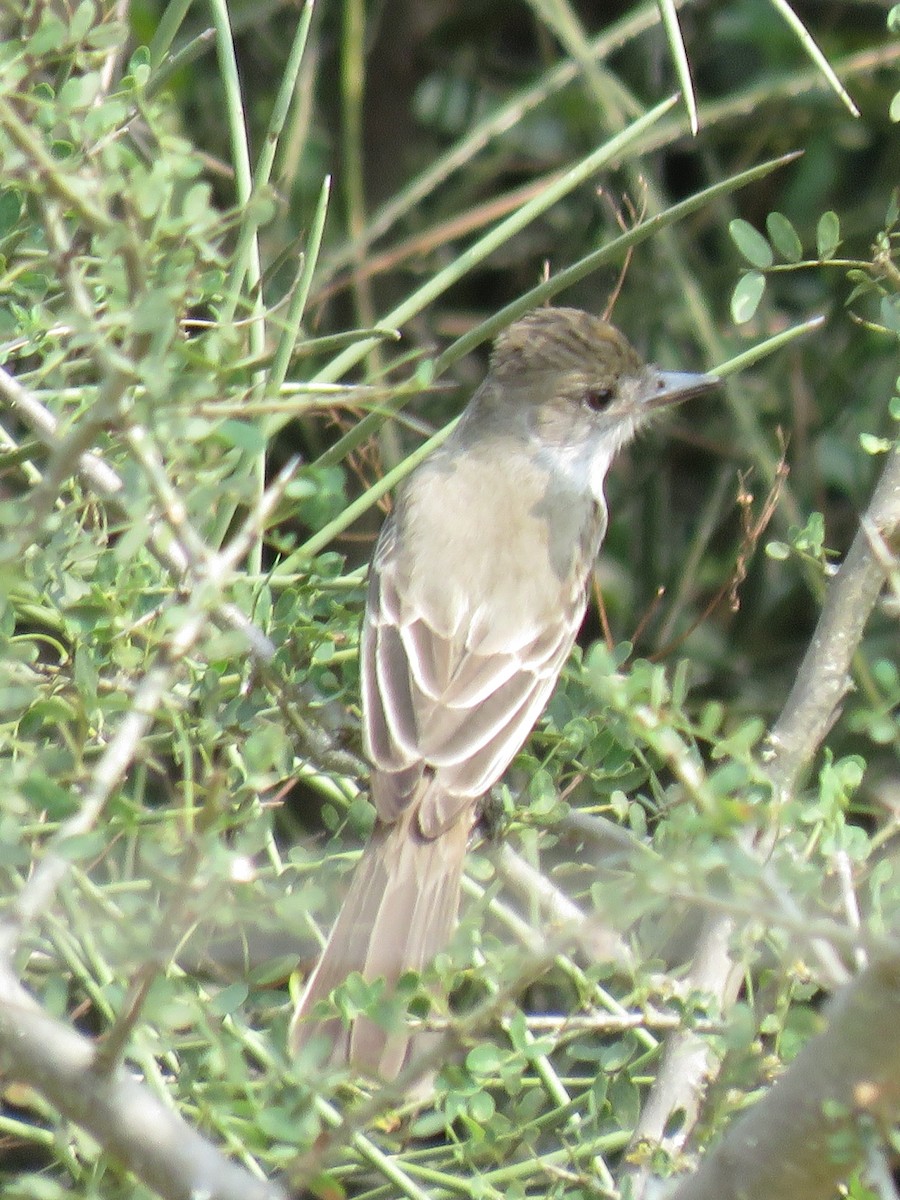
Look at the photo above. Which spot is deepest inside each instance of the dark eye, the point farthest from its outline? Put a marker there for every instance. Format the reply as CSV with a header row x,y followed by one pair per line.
x,y
597,399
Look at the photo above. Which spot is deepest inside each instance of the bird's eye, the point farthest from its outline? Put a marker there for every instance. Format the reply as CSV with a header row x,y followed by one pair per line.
x,y
599,398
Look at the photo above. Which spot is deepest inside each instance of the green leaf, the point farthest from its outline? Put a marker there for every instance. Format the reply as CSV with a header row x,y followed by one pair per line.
x,y
894,109
153,313
675,39
51,710
221,646
741,741
784,237
811,538
50,36
10,210
746,296
196,204
482,1107
82,19
751,243
46,795
82,845
86,677
229,999
541,1047
517,1031
267,747
543,795
484,1059
280,1124
828,235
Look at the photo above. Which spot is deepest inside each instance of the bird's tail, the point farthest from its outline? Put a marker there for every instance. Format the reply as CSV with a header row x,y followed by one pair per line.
x,y
399,913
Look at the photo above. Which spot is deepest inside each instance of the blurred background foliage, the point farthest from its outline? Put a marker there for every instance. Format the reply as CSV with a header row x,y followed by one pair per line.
x,y
179,300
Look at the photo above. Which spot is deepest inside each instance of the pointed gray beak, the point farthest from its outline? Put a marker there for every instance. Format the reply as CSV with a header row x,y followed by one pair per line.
x,y
671,387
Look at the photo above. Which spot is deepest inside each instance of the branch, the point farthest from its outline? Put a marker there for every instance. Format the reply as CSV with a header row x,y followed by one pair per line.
x,y
123,1115
687,1060
597,940
809,711
824,676
807,1134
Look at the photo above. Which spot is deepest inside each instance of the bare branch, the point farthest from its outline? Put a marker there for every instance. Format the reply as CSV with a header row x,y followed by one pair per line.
x,y
687,1060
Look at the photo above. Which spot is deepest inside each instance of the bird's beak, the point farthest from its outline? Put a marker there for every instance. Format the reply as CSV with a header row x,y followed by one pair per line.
x,y
671,387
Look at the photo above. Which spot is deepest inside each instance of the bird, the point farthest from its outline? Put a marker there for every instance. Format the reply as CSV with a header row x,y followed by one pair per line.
x,y
477,589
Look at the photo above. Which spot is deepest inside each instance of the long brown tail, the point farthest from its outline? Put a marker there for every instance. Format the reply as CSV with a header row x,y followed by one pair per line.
x,y
399,913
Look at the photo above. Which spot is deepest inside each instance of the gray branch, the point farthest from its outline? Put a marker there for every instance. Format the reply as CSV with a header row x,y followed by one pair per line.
x,y
824,676
811,1129
822,682
124,1116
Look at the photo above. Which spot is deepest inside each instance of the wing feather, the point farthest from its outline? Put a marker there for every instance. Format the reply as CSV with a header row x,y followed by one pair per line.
x,y
442,722
401,700
456,670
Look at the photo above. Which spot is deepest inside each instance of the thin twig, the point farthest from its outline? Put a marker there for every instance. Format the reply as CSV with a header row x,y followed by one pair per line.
x,y
598,941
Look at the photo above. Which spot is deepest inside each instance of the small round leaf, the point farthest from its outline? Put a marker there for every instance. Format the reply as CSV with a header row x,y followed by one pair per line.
x,y
784,237
746,296
828,235
751,243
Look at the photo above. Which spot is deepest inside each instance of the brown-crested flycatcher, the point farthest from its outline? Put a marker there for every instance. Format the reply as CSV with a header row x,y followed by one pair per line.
x,y
477,590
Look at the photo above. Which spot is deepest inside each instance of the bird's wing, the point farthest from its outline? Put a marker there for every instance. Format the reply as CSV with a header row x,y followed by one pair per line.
x,y
443,721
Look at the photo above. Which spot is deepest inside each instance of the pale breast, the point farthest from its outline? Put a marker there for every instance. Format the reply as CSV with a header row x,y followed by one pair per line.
x,y
490,551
